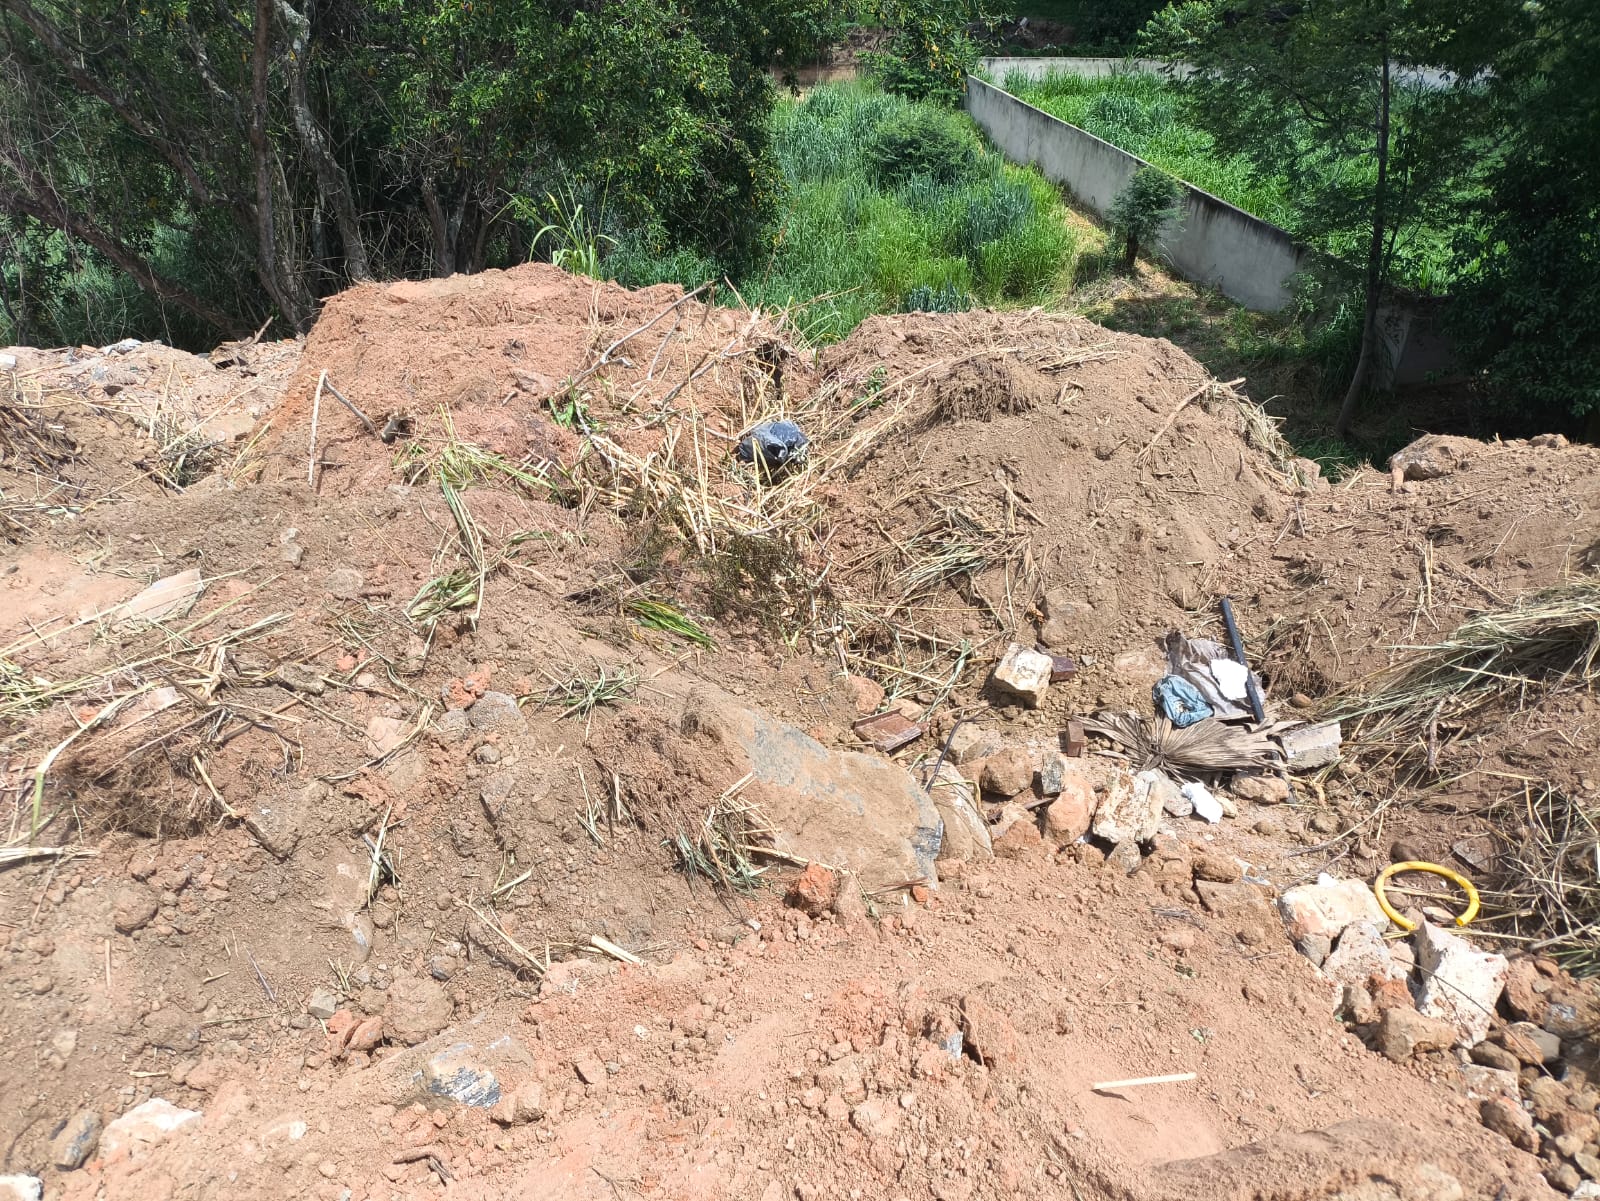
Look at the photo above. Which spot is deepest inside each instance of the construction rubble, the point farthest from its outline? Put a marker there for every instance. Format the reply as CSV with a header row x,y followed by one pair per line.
x,y
536,738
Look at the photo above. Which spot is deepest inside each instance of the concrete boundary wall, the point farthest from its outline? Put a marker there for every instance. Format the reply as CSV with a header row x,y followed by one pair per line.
x,y
1088,68
1213,243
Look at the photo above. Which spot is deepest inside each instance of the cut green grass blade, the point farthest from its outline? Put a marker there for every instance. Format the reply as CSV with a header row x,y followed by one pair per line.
x,y
659,615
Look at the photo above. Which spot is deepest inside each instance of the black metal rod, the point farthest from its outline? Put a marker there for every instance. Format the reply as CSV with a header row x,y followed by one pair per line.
x,y
1256,707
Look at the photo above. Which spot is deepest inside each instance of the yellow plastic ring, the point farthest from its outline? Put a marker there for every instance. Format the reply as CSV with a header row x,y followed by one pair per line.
x,y
1433,869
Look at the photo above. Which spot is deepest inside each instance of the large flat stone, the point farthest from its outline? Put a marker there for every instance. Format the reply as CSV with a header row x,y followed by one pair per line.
x,y
856,812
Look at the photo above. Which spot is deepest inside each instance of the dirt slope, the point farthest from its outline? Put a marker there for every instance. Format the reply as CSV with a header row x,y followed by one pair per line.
x,y
974,478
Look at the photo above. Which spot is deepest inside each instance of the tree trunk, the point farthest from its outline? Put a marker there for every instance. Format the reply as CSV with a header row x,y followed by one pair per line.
x,y
332,181
444,257
1375,258
279,282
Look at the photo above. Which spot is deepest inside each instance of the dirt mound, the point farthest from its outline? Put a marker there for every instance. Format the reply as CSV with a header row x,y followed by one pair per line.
x,y
411,766
84,428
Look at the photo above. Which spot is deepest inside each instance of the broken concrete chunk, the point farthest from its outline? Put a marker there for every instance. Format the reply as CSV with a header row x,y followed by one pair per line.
x,y
1024,674
297,677
21,1188
966,834
143,1126
1361,955
168,598
1131,809
1328,907
1460,983
1309,747
1432,457
969,742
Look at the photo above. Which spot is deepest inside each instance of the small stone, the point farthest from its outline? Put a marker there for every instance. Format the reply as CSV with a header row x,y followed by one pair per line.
x,y
1016,835
1546,1096
292,554
875,1118
1361,955
590,1069
1490,1082
970,742
1222,869
416,1009
1403,1032
1532,1045
322,1004
1125,857
78,1138
1054,773
1268,827
866,695
1259,787
1007,774
135,908
1356,1005
1068,817
1563,1177
1023,673
344,583
1491,1056
524,1105
1510,1121
1324,823
813,891
1574,1123
496,711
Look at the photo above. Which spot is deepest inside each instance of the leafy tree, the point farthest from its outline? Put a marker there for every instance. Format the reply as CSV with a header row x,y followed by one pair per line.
x,y
1147,203
1526,311
1367,107
930,47
300,146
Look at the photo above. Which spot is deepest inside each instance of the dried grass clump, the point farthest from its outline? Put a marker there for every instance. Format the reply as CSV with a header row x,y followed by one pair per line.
x,y
1545,641
1551,872
723,847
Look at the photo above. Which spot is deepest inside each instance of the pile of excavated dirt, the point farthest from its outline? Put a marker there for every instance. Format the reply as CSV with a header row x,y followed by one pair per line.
x,y
360,880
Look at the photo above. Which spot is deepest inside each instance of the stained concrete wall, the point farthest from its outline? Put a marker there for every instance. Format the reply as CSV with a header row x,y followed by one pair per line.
x,y
1213,243
1089,68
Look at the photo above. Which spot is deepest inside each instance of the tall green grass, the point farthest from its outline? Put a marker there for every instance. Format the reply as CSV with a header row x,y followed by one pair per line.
x,y
890,205
1139,112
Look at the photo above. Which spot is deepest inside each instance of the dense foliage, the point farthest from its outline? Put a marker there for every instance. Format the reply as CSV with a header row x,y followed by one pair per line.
x,y
1369,110
1527,307
303,145
866,231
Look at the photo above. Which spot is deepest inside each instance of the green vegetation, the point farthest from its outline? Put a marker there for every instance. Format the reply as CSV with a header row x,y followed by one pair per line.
x,y
1138,214
893,204
1143,114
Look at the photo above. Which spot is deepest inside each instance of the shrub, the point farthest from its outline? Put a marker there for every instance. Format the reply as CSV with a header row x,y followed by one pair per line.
x,y
1148,202
920,142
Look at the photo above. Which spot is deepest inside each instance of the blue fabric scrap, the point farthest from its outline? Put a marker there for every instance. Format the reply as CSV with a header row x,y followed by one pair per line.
x,y
1181,702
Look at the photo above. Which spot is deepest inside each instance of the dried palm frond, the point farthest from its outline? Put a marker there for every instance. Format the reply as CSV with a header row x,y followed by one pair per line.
x,y
1206,746
1546,640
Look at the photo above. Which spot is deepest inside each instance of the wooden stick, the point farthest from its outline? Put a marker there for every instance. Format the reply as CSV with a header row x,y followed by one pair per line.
x,y
612,949
342,399
316,412
1181,406
1111,1085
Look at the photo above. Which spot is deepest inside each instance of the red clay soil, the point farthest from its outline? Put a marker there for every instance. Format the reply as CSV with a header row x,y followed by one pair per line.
x,y
755,1053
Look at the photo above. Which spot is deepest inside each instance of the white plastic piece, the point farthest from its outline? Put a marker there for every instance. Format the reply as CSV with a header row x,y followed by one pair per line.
x,y
1231,678
1205,805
